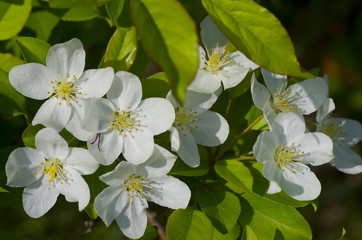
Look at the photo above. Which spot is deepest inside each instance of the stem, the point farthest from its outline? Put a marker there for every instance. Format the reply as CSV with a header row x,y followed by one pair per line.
x,y
71,140
152,220
244,158
240,136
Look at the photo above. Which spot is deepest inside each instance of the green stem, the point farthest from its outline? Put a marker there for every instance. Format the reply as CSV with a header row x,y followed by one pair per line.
x,y
244,158
71,140
239,136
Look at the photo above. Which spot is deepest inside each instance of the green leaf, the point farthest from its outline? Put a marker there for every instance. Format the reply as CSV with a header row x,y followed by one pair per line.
x,y
188,224
181,169
283,198
3,190
81,14
248,234
253,115
29,135
343,237
270,220
12,102
76,3
232,235
13,15
241,88
114,10
257,33
150,233
121,50
241,177
222,208
155,86
33,49
42,23
169,36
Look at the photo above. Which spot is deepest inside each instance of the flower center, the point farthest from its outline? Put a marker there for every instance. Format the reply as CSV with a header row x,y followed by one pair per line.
x,y
288,157
217,59
53,168
134,187
125,122
335,132
183,119
65,90
281,101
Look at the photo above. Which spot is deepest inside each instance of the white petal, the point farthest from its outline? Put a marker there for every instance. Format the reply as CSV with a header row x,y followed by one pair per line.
x,y
205,82
272,172
50,144
301,185
31,80
98,114
75,189
108,203
126,91
38,199
184,144
122,171
351,132
211,34
346,160
274,81
81,160
273,188
138,146
22,167
288,126
53,115
68,58
159,164
172,100
200,102
309,95
241,60
264,147
232,75
106,147
327,107
212,129
133,220
269,114
159,114
259,93
169,192
75,123
317,148
95,82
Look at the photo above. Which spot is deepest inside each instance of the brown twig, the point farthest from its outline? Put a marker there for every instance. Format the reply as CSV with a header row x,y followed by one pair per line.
x,y
89,224
152,220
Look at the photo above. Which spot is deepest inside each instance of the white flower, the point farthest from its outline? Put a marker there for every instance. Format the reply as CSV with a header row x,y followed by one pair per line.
x,y
194,124
218,66
304,97
344,133
48,170
125,123
63,81
131,186
286,149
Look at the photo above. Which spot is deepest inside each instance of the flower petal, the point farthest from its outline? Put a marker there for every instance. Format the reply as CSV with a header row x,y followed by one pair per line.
x,y
200,102
126,91
205,82
259,93
159,164
317,148
50,144
68,58
212,129
39,197
346,160
75,123
211,35
240,59
159,114
232,75
326,108
301,185
122,171
106,147
98,114
53,113
81,160
307,96
31,80
184,144
271,172
169,192
264,147
273,188
288,126
22,167
275,82
351,132
269,114
108,203
75,189
95,82
133,220
138,147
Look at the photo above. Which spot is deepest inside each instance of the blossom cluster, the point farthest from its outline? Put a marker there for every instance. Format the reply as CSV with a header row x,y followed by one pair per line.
x,y
106,110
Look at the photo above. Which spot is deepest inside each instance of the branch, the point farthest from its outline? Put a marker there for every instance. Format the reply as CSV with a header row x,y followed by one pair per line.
x,y
152,220
89,224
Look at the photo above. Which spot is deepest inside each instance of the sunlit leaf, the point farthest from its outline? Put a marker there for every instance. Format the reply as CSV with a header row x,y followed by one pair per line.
x,y
42,23
33,49
29,135
76,3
